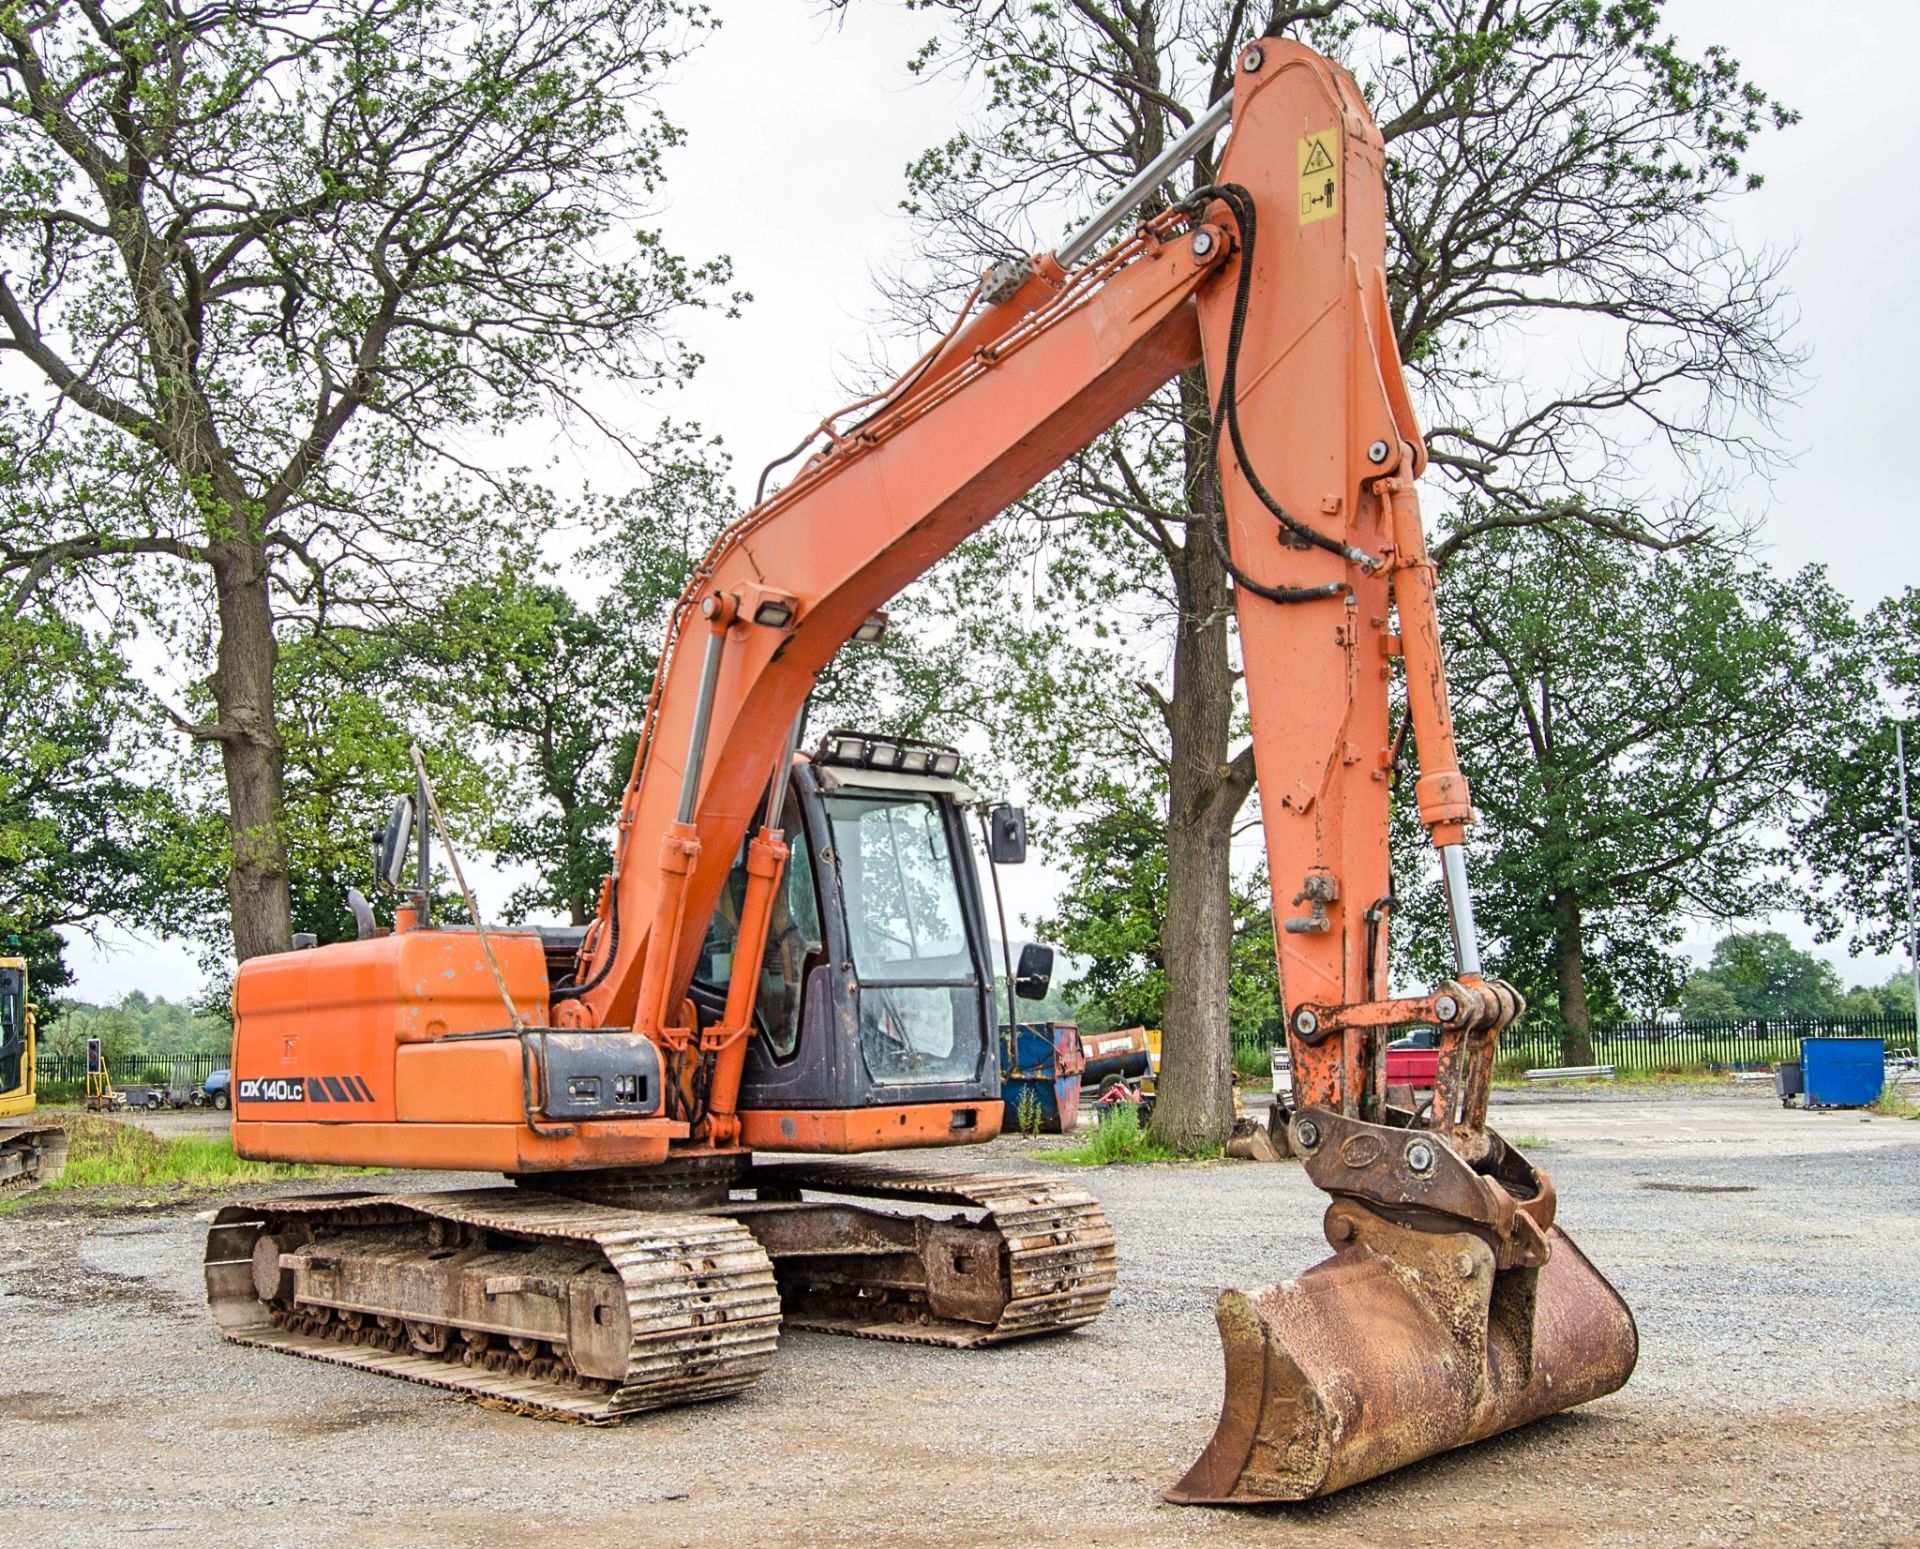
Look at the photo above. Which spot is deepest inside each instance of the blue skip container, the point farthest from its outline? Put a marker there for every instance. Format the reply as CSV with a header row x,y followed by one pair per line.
x,y
1842,1072
1041,1061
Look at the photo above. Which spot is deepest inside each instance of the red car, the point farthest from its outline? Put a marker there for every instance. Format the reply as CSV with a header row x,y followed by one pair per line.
x,y
1414,1060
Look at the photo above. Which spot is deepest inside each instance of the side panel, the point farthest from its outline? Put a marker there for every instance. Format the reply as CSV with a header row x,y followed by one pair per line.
x,y
872,1129
500,1148
318,1036
316,1032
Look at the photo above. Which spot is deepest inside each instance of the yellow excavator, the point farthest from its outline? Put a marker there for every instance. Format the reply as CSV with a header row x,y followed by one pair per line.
x,y
30,1153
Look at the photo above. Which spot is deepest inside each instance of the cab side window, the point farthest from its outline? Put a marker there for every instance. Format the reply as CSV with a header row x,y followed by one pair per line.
x,y
794,939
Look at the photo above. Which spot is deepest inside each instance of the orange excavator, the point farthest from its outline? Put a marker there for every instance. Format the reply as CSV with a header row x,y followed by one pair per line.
x,y
790,953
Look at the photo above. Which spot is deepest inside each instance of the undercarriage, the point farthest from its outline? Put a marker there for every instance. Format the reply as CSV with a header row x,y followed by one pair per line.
x,y
31,1155
666,1289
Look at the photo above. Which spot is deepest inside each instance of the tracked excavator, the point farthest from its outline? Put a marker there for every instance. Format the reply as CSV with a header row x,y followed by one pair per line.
x,y
32,1152
789,955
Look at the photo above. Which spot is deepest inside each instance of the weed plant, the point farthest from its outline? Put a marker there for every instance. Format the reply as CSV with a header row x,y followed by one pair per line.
x,y
1120,1137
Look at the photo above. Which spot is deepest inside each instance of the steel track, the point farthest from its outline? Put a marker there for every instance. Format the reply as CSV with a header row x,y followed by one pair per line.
x,y
700,1294
1059,1264
51,1143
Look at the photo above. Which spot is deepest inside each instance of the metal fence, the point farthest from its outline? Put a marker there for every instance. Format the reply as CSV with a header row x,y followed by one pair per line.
x,y
1731,1045
144,1070
1656,1045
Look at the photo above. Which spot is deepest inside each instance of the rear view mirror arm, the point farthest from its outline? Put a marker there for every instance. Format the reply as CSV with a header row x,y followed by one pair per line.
x,y
1000,908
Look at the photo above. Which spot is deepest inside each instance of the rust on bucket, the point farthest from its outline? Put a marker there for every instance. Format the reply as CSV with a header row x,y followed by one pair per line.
x,y
1403,1344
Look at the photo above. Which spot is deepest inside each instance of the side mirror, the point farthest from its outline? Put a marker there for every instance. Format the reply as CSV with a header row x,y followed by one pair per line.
x,y
394,841
1035,973
1007,836
363,926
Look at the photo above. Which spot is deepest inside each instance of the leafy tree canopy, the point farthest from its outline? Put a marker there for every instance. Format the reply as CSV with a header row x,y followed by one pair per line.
x,y
267,274
1637,729
1763,974
1852,839
91,830
1112,915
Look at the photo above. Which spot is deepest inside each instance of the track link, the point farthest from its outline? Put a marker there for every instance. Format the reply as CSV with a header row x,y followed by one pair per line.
x,y
30,1157
501,1294
1051,1251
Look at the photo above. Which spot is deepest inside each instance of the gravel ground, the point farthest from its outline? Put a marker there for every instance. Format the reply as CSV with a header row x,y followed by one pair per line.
x,y
1777,1400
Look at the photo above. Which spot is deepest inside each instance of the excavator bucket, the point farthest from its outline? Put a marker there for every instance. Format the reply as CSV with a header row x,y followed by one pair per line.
x,y
1404,1344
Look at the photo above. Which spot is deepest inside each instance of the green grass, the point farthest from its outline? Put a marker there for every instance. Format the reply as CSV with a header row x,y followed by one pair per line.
x,y
1510,1070
1513,1076
1669,1073
1897,1103
1251,1060
1119,1137
61,1091
105,1153
1530,1142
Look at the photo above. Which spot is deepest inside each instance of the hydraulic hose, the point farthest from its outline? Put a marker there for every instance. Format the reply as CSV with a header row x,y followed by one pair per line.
x,y
1226,417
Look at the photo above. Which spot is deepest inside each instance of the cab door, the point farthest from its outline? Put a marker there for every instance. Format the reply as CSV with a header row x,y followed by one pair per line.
x,y
875,984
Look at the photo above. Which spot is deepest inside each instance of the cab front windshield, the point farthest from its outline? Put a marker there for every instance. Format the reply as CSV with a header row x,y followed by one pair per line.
x,y
919,988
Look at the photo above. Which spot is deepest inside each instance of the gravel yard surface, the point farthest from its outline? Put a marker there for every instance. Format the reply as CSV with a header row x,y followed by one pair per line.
x,y
1772,1258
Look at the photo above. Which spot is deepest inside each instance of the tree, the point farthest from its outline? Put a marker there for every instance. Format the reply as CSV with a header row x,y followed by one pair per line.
x,y
47,970
555,686
122,1040
1113,912
562,687
1770,978
351,710
268,267
1706,998
533,671
1113,915
89,829
1548,159
1851,840
1892,999
1636,728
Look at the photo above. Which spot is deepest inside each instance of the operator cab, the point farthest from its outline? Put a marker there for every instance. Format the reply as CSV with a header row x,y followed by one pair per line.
x,y
877,981
13,1028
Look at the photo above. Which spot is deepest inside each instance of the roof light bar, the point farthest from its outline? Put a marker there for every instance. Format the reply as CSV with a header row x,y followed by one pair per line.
x,y
906,755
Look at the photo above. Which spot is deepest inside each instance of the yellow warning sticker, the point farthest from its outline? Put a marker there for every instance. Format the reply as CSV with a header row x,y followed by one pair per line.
x,y
1319,176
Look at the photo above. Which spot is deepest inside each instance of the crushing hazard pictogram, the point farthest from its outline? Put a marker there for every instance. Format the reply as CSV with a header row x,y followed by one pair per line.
x,y
1319,176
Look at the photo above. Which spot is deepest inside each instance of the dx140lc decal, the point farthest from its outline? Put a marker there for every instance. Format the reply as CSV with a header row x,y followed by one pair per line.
x,y
304,1089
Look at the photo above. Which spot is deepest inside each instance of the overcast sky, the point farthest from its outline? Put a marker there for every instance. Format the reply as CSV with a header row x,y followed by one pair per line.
x,y
800,129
